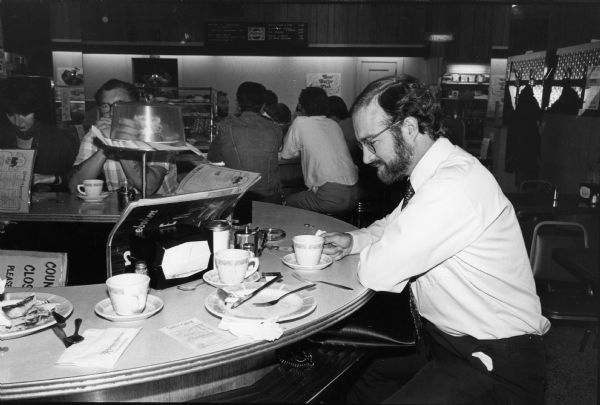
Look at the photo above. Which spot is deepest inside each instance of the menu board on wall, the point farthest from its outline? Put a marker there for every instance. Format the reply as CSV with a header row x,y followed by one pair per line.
x,y
256,35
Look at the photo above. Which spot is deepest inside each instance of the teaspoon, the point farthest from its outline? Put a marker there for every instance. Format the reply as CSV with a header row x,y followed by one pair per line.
x,y
187,287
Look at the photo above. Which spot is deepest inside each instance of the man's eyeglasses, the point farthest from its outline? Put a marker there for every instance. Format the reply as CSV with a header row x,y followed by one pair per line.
x,y
105,108
369,142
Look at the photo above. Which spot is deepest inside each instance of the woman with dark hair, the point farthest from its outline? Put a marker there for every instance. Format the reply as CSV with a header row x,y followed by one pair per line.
x,y
329,174
55,149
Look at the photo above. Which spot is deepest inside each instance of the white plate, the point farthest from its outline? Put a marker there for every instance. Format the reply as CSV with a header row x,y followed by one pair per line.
x,y
212,278
293,306
290,260
100,197
105,309
63,307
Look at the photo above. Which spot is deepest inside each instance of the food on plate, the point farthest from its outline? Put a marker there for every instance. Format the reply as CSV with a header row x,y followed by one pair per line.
x,y
22,314
20,308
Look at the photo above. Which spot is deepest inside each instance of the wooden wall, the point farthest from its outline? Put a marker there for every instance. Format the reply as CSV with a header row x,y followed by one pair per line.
x,y
477,27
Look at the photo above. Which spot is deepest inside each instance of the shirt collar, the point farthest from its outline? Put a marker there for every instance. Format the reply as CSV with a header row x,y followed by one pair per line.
x,y
426,167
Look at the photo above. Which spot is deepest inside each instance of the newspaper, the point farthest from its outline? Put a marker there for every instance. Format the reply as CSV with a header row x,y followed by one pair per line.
x,y
16,174
137,145
208,192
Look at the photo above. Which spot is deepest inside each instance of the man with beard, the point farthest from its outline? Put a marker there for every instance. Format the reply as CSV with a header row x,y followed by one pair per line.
x,y
455,243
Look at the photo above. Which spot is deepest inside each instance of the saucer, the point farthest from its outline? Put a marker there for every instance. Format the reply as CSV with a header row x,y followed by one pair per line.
x,y
100,197
290,260
212,278
105,309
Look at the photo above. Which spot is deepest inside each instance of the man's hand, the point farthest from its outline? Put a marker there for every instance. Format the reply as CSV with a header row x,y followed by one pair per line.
x,y
104,125
337,244
128,129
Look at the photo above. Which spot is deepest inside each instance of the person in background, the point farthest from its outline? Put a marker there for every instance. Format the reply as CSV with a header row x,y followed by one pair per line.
x,y
55,149
329,173
280,114
222,105
117,167
455,243
251,142
338,111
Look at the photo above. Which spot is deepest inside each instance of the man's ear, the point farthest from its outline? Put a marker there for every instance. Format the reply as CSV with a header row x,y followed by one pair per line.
x,y
412,126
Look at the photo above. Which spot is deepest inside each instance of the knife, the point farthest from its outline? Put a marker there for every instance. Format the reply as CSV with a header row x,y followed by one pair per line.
x,y
60,332
253,293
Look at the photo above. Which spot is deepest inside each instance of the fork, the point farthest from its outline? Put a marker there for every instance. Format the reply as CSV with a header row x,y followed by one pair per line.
x,y
276,300
299,277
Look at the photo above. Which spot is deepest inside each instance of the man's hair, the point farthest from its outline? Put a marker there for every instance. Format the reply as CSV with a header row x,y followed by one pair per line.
x,y
279,112
18,97
314,101
271,97
404,96
221,94
337,107
250,96
114,84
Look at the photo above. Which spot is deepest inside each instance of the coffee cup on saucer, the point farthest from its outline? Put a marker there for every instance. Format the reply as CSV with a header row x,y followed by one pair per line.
x,y
128,293
90,188
234,265
308,249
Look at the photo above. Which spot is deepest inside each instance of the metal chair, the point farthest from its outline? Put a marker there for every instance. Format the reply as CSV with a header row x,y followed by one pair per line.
x,y
563,297
536,186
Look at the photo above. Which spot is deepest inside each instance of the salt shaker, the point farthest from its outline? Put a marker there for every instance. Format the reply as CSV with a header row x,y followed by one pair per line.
x,y
220,231
141,268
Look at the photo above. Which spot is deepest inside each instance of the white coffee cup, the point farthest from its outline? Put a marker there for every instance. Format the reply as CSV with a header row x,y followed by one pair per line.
x,y
234,265
308,249
128,293
90,188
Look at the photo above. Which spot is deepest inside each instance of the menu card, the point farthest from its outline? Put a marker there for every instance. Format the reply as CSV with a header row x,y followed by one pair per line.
x,y
16,172
197,335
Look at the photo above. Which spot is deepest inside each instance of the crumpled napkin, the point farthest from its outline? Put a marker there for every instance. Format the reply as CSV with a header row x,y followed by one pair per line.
x,y
101,348
256,329
320,232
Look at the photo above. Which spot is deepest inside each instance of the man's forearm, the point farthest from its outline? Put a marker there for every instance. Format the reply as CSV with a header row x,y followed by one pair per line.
x,y
88,169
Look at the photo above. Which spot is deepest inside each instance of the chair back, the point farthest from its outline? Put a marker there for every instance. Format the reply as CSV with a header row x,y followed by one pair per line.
x,y
29,269
536,186
548,235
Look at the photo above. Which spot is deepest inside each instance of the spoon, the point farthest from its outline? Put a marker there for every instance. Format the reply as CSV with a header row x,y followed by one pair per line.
x,y
76,337
190,287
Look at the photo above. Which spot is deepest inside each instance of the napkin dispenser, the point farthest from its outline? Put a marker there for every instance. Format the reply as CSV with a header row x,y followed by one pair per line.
x,y
174,255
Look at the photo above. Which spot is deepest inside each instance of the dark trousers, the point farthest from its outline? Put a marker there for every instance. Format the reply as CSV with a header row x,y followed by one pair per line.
x,y
446,372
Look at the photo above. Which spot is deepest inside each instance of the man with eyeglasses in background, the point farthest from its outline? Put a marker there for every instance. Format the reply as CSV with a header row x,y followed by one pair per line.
x,y
455,243
118,167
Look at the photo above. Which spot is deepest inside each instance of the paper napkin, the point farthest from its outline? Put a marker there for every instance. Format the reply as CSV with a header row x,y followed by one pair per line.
x,y
101,348
256,329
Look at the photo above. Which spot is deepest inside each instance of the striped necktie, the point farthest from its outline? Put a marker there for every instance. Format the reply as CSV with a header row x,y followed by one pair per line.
x,y
409,192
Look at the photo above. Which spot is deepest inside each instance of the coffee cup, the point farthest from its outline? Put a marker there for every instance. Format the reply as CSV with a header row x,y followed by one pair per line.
x,y
234,265
128,293
308,249
90,188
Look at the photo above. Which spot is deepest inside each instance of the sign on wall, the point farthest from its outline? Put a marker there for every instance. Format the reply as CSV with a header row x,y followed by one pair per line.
x,y
330,82
248,35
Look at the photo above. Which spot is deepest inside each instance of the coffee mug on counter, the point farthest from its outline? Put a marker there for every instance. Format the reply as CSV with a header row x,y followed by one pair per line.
x,y
90,188
308,249
234,265
128,293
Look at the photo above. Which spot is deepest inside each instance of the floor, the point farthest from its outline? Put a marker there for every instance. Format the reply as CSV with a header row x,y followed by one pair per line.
x,y
572,375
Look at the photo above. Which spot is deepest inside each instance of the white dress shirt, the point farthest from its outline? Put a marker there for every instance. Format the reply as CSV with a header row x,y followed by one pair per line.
x,y
461,234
